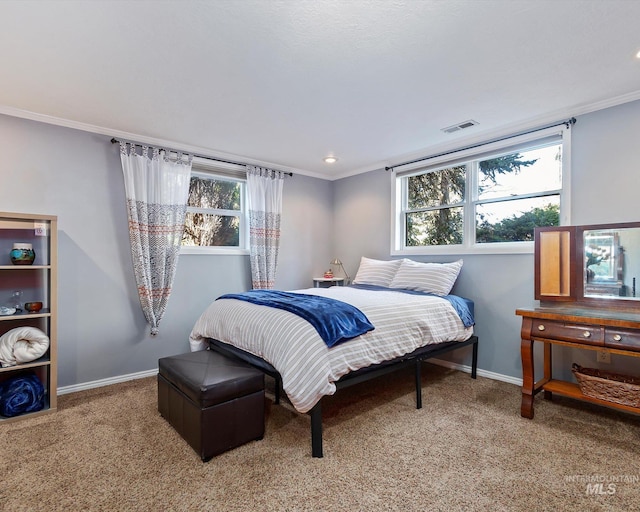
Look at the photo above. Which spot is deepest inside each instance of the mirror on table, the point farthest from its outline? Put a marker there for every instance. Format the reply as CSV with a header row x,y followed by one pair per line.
x,y
594,265
611,262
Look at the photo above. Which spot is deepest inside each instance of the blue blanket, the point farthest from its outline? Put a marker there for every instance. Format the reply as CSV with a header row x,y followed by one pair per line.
x,y
21,394
464,307
334,320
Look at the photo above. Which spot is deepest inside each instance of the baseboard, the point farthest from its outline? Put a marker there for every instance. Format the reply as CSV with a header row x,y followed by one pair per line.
x,y
151,373
106,382
479,372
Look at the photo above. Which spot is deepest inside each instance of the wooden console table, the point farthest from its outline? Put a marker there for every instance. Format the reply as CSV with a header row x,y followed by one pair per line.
x,y
616,332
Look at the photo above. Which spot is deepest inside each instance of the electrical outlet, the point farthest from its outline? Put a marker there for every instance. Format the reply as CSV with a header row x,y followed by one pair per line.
x,y
40,229
604,356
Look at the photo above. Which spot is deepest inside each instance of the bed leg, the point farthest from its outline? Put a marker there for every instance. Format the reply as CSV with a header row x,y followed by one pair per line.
x,y
278,386
418,384
316,430
474,360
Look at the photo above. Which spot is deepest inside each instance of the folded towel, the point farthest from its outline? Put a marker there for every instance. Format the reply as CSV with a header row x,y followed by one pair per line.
x,y
22,345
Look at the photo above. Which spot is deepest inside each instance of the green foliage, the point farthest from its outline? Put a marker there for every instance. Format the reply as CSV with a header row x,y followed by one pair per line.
x,y
518,227
215,194
503,164
444,226
437,188
437,227
596,255
203,229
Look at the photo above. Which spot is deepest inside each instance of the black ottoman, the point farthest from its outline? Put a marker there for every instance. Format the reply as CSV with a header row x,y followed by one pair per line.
x,y
214,402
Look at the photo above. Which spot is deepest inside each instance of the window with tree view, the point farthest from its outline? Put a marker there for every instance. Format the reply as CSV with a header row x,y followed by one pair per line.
x,y
498,196
214,212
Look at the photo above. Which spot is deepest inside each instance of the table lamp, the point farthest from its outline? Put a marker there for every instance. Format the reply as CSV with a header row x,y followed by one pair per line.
x,y
338,263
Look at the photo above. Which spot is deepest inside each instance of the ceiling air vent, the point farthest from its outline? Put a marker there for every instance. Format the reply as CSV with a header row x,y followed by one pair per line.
x,y
460,126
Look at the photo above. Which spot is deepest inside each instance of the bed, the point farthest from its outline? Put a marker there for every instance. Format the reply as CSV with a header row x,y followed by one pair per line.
x,y
409,327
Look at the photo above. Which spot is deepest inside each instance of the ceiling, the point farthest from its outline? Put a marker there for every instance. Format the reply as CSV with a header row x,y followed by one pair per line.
x,y
288,82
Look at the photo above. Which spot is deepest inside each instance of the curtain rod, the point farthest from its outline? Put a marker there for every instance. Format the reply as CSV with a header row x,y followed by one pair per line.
x,y
568,123
116,141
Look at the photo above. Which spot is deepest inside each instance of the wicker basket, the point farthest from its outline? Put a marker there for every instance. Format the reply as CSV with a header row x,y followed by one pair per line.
x,y
608,386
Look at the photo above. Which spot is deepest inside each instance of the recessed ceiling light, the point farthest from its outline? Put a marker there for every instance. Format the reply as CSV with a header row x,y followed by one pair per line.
x,y
330,160
638,55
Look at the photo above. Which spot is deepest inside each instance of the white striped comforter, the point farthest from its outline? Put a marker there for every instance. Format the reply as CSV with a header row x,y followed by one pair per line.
x,y
403,322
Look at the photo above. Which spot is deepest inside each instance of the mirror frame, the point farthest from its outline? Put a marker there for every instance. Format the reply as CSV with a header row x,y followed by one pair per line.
x,y
555,260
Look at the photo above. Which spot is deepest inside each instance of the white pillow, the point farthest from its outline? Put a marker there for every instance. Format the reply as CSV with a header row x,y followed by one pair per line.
x,y
436,278
376,272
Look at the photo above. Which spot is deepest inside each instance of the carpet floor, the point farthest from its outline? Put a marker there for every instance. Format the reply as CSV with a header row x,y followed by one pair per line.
x,y
467,449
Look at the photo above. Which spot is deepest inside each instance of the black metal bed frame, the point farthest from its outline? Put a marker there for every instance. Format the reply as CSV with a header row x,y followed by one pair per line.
x,y
371,372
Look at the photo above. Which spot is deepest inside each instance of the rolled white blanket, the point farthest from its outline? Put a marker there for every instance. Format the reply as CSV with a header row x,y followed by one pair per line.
x,y
21,345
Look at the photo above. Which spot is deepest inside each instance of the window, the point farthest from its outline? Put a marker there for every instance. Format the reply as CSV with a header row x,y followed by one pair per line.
x,y
215,221
600,255
485,199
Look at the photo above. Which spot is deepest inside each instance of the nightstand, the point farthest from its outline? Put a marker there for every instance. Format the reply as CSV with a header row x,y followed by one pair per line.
x,y
324,282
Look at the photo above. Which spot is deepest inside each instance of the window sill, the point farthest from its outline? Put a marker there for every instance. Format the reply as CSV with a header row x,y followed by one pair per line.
x,y
217,251
496,248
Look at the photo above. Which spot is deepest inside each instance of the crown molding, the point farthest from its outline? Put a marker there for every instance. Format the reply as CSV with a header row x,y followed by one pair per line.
x,y
141,139
506,130
552,117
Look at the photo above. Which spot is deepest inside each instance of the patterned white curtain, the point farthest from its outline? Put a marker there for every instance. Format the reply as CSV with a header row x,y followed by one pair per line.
x,y
157,190
264,188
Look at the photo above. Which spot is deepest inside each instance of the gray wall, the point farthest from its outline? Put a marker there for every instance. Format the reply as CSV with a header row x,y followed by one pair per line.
x,y
102,332
495,282
605,177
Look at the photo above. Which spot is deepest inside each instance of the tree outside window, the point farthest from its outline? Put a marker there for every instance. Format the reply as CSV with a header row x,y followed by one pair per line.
x,y
435,215
498,198
214,212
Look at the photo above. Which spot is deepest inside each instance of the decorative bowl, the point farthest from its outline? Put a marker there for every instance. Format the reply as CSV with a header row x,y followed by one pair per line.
x,y
22,254
33,307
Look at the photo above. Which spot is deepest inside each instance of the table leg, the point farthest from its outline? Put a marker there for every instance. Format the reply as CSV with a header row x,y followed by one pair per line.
x,y
528,383
547,369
